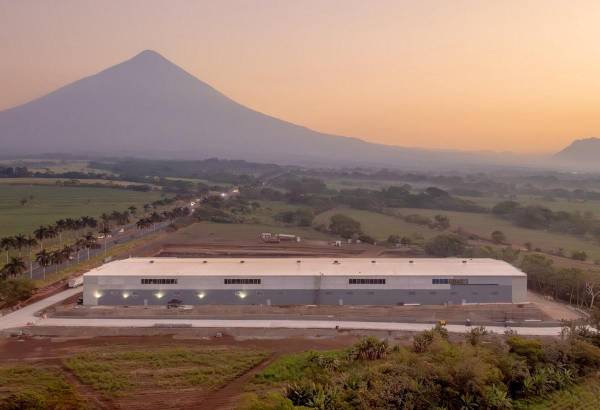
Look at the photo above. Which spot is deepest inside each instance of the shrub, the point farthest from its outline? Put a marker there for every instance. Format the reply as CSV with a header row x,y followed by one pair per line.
x,y
445,246
475,335
312,395
370,348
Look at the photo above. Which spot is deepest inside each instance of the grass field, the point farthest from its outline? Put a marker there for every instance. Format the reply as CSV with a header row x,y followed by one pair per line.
x,y
46,204
484,224
56,181
118,371
378,225
40,387
209,231
556,204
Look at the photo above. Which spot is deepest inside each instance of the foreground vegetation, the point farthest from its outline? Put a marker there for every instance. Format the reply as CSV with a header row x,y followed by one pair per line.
x,y
36,388
479,372
125,371
121,371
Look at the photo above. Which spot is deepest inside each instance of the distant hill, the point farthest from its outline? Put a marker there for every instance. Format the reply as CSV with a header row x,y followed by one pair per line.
x,y
149,107
584,151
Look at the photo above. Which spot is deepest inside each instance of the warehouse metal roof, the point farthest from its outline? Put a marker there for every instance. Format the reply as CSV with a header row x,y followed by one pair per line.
x,y
169,267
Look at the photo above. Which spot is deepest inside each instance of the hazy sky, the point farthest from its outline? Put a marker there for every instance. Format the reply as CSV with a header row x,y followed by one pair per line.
x,y
504,75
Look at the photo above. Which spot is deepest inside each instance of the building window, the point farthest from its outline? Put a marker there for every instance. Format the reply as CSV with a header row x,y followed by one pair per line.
x,y
244,281
364,281
459,281
159,281
412,292
439,281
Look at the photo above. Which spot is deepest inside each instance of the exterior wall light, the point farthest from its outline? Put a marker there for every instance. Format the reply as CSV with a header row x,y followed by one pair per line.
x,y
241,294
201,295
159,295
97,294
125,295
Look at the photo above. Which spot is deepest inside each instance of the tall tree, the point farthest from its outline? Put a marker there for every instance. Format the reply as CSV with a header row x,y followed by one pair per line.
x,y
7,243
43,258
31,242
13,268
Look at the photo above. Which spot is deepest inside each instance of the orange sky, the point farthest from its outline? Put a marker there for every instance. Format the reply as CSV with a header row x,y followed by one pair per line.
x,y
502,75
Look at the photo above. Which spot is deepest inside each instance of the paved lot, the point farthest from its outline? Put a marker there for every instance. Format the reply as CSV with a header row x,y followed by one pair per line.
x,y
26,317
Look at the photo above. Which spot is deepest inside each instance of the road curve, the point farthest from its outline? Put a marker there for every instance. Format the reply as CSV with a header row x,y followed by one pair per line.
x,y
26,317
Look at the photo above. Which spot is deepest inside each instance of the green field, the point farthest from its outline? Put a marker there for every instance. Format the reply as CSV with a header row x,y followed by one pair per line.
x,y
58,181
484,224
46,204
555,205
209,231
378,225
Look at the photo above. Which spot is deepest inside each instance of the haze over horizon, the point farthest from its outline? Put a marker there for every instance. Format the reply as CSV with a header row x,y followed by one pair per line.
x,y
463,75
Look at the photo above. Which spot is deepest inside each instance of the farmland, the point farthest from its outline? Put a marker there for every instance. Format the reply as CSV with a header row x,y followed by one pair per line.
x,y
46,204
378,225
119,375
557,204
484,224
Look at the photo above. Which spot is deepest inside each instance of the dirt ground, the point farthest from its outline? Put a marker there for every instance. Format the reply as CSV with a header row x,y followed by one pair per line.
x,y
51,351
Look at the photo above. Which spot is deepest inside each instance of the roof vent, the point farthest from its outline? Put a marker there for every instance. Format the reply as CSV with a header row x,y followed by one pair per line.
x,y
298,261
151,261
411,261
204,261
464,261
336,262
373,261
242,261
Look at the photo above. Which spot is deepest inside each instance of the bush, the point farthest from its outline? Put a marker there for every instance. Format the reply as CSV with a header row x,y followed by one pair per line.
x,y
344,226
498,237
370,348
445,246
25,400
579,255
312,395
15,290
475,335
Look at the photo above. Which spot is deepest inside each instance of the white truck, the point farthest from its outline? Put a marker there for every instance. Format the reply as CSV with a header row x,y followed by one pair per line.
x,y
76,281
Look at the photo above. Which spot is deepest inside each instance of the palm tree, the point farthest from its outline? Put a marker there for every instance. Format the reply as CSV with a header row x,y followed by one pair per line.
x,y
56,258
105,231
7,243
40,234
90,242
20,242
15,267
154,218
67,251
60,226
105,219
143,223
43,258
79,245
132,210
30,242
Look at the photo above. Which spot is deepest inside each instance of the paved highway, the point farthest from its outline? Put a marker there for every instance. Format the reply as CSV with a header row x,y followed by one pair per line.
x,y
26,317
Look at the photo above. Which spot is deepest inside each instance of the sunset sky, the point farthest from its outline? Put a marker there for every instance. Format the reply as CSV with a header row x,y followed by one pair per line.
x,y
496,75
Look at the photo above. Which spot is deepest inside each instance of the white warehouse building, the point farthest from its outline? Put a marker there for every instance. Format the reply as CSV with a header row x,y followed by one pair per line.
x,y
306,281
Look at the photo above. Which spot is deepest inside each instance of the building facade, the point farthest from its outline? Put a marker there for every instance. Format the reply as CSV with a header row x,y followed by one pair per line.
x,y
306,281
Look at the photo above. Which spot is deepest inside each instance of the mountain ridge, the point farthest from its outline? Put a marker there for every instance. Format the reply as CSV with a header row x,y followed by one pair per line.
x,y
147,106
